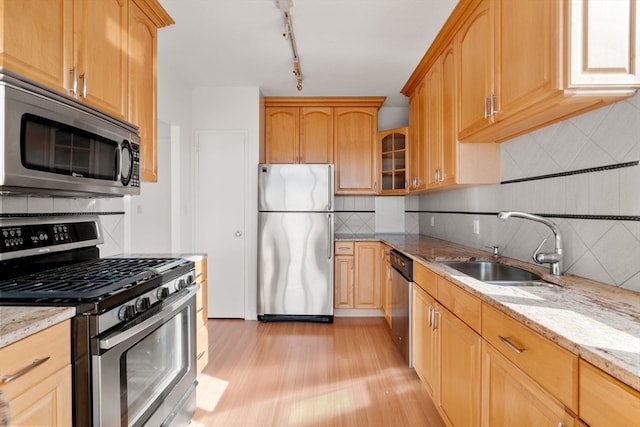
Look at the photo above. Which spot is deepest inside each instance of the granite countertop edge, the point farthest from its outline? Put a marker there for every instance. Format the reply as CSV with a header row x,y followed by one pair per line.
x,y
18,322
598,322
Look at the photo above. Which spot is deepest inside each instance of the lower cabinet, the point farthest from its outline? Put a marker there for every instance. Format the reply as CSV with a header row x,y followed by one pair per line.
x,y
357,275
446,350
511,398
202,334
620,405
39,393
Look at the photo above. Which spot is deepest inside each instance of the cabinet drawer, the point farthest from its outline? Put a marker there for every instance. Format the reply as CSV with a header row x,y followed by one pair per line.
x,y
344,248
551,366
201,305
201,271
605,401
53,342
426,279
202,348
461,303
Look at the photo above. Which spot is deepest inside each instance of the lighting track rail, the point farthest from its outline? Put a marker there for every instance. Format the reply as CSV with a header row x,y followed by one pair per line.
x,y
288,35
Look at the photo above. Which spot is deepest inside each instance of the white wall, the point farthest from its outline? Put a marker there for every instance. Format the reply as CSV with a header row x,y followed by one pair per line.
x,y
236,109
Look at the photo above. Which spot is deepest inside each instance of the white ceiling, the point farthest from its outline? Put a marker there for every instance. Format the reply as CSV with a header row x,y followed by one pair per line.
x,y
346,47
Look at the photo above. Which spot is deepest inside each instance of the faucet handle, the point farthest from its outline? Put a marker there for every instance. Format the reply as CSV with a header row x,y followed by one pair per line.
x,y
495,250
537,251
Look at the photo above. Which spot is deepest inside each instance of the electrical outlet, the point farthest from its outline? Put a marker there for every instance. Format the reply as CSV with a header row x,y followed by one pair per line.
x,y
433,221
476,226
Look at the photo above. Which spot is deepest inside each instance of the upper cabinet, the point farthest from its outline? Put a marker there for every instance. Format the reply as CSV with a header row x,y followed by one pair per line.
x,y
102,53
526,64
299,134
393,154
337,130
417,158
145,17
356,150
37,40
523,65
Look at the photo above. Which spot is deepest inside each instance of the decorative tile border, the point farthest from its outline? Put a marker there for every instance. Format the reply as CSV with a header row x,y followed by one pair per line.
x,y
574,172
547,215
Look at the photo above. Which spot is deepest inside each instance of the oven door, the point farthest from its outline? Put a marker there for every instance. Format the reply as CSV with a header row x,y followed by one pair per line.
x,y
145,372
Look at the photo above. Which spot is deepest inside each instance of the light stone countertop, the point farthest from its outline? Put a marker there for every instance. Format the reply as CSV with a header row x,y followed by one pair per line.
x,y
20,322
598,322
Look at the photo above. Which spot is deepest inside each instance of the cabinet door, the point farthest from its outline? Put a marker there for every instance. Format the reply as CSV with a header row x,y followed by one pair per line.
x,y
355,150
367,275
511,398
434,124
343,281
449,137
282,137
526,63
142,87
417,168
460,370
101,49
37,40
475,56
425,342
316,135
385,281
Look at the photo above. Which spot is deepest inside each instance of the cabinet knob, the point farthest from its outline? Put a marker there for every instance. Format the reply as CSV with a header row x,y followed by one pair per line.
x,y
238,233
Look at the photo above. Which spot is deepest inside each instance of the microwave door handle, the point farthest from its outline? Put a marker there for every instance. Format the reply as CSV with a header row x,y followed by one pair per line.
x,y
118,165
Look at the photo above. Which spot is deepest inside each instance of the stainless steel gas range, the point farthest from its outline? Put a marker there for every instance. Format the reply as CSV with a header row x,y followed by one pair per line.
x,y
133,335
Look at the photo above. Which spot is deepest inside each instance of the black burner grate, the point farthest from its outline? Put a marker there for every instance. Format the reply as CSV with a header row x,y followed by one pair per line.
x,y
85,281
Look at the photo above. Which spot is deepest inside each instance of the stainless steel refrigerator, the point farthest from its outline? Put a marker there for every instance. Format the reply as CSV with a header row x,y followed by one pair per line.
x,y
295,242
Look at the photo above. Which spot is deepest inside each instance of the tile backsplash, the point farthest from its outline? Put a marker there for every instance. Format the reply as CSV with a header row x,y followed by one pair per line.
x,y
582,173
110,211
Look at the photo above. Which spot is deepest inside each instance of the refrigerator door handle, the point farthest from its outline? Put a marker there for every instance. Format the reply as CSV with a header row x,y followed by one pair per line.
x,y
330,235
330,187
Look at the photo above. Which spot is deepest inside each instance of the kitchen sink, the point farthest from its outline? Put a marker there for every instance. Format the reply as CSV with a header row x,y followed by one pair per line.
x,y
497,274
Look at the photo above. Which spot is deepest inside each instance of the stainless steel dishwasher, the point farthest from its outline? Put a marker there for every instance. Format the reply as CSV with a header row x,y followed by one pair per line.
x,y
401,283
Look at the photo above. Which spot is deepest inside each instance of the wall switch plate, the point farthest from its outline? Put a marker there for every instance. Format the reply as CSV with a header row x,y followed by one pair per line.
x,y
433,221
476,226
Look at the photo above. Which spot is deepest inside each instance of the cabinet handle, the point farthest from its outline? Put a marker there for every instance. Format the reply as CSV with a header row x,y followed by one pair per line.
x,y
430,317
486,110
492,104
436,313
512,346
74,80
560,424
83,76
200,309
199,356
36,362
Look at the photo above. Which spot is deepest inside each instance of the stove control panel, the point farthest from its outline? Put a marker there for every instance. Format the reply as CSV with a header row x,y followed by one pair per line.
x,y
36,236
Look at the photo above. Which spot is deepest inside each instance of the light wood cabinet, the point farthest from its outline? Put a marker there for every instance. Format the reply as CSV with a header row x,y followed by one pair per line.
x,y
446,350
393,145
299,134
357,275
426,341
202,334
367,275
385,281
510,397
42,395
552,367
417,164
37,40
355,152
77,47
433,83
605,401
100,64
145,17
532,77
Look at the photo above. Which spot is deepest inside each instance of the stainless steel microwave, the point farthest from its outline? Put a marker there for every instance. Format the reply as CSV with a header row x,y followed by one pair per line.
x,y
51,144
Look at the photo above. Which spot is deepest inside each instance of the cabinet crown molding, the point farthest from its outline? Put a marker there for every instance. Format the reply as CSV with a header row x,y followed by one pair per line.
x,y
324,101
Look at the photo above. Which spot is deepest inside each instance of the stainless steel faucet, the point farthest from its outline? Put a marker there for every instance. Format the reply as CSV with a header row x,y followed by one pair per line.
x,y
554,259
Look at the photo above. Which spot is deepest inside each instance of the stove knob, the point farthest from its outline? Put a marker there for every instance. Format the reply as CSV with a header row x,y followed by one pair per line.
x,y
162,293
127,312
181,284
142,304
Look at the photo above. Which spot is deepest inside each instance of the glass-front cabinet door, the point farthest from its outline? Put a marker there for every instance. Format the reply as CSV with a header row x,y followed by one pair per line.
x,y
393,149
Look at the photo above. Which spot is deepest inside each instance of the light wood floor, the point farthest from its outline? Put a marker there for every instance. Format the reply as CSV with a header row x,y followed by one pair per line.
x,y
304,374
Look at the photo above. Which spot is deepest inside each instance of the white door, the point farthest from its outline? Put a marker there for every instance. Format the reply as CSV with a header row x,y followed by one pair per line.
x,y
220,175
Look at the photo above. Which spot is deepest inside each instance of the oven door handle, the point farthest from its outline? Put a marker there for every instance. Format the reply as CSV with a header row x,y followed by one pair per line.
x,y
151,323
